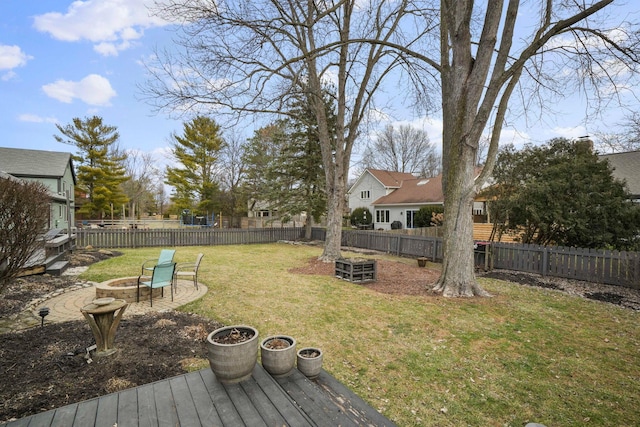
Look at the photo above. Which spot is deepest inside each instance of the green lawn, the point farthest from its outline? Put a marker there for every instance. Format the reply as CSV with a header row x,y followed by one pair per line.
x,y
524,355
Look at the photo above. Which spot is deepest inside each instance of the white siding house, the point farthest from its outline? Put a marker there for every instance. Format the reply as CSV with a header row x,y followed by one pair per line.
x,y
373,184
395,196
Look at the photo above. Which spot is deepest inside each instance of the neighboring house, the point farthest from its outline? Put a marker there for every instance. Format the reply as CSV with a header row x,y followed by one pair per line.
x,y
395,196
373,184
626,167
51,168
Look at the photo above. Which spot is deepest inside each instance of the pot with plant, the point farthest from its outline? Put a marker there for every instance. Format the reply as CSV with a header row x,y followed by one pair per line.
x,y
233,352
278,355
310,361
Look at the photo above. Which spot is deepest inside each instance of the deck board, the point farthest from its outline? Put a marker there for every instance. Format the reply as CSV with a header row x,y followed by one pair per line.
x,y
107,411
128,408
165,405
281,409
198,399
147,416
86,414
315,403
204,406
185,406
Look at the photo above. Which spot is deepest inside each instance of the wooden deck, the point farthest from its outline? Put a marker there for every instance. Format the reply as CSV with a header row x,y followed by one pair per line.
x,y
198,399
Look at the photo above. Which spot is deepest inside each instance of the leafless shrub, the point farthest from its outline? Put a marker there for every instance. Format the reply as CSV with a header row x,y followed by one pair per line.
x,y
24,214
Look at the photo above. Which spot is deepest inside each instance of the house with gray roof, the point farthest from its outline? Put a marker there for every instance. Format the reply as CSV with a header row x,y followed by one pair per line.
x,y
626,168
51,168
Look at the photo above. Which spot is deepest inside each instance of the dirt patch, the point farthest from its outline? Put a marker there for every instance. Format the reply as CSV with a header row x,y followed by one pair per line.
x,y
48,367
618,295
393,277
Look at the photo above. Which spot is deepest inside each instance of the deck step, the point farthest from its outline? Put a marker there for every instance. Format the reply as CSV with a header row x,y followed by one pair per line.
x,y
57,268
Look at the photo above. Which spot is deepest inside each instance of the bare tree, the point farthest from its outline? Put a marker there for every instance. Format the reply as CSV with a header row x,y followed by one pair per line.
x,y
402,149
231,172
143,181
480,60
255,56
24,213
627,140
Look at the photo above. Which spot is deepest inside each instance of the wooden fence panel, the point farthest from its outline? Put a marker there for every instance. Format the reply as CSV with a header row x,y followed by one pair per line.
x,y
609,267
138,238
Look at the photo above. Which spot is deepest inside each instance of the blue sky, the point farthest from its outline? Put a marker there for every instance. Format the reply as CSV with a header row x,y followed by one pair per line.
x,y
61,59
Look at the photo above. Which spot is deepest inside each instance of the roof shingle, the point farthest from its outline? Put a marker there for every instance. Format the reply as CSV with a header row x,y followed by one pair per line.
x,y
33,163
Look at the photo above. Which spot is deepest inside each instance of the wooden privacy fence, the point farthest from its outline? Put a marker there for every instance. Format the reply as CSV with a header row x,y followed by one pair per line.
x,y
136,238
599,266
592,265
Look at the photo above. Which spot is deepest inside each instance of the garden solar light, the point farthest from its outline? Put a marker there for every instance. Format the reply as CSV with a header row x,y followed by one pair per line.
x,y
44,311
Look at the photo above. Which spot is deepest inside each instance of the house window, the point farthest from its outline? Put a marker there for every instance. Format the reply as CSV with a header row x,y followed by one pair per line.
x,y
382,215
411,219
365,194
263,214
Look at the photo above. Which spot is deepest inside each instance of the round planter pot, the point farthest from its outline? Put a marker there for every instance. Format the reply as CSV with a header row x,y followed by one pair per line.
x,y
422,261
231,361
310,361
278,355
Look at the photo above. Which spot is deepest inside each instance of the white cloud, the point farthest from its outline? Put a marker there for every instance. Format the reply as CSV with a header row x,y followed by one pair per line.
x,y
111,24
568,132
8,76
93,90
34,118
12,57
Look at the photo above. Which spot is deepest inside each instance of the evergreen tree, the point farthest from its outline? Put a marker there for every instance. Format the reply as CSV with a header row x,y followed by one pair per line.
x,y
285,167
100,168
562,193
196,151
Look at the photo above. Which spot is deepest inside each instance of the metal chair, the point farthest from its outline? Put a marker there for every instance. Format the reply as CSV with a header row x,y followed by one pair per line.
x,y
189,270
162,276
166,256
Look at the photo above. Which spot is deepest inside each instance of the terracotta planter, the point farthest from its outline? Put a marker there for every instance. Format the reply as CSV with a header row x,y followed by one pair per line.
x,y
232,361
278,355
310,361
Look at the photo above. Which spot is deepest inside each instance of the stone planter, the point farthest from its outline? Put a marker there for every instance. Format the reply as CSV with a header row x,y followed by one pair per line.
x,y
310,361
422,261
233,352
278,355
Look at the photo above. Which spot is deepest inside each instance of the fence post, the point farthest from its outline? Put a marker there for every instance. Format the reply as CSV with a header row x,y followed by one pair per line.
x,y
545,261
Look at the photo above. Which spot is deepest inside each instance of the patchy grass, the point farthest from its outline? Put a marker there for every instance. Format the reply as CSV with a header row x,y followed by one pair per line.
x,y
524,355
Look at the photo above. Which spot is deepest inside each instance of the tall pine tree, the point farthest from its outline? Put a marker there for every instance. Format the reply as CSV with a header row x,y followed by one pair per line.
x,y
100,166
196,151
284,164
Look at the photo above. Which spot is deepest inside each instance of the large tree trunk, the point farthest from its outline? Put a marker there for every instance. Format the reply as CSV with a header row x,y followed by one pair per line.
x,y
308,225
458,278
461,91
335,205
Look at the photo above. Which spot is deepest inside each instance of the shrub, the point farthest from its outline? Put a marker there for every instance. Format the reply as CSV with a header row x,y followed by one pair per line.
x,y
361,216
24,214
426,216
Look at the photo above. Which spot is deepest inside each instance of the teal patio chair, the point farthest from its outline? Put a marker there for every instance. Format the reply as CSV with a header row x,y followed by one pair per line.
x,y
189,270
162,276
166,256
